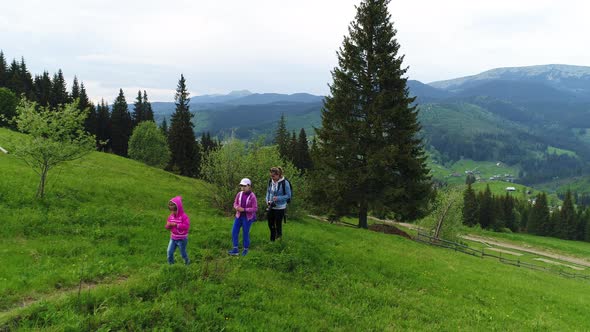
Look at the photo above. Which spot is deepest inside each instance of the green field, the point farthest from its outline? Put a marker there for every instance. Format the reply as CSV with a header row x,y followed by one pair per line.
x,y
92,256
558,151
455,173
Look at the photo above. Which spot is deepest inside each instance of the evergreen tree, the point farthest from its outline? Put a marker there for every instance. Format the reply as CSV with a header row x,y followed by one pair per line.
x,y
486,209
90,124
3,71
580,224
470,208
370,154
508,213
27,81
120,125
15,81
303,158
164,127
282,138
138,109
59,92
103,127
208,144
553,226
523,215
292,154
539,216
586,221
43,89
8,104
148,113
186,156
75,89
567,226
470,179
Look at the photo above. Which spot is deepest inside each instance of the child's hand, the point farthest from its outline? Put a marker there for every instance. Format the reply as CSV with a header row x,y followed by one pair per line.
x,y
171,224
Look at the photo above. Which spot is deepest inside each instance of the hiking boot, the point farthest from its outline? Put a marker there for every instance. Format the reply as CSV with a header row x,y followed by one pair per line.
x,y
234,252
245,252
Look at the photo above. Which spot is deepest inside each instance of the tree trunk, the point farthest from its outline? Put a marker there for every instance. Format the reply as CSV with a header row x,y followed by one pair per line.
x,y
41,189
363,215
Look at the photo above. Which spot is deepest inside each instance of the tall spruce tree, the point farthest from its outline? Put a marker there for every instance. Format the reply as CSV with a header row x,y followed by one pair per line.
x,y
103,126
27,80
3,71
120,125
75,89
371,156
84,103
186,156
580,224
15,81
553,225
59,93
148,113
282,138
138,109
539,216
470,209
508,213
586,221
303,157
567,226
486,208
43,89
292,154
164,127
208,144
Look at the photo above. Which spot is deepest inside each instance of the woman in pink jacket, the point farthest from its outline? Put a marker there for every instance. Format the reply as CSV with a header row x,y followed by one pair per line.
x,y
178,224
246,206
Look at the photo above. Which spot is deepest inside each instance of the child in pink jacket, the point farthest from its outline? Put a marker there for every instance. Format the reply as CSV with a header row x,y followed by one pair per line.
x,y
178,223
246,206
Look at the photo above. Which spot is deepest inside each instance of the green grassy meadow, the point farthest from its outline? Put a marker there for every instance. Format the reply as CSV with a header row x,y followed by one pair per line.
x,y
558,151
102,226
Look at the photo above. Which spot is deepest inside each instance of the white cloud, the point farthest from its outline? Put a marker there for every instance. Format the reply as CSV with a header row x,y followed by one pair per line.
x,y
286,46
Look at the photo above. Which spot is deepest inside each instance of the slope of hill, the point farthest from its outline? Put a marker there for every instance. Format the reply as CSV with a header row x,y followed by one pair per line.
x,y
517,91
574,79
426,93
92,257
463,130
269,98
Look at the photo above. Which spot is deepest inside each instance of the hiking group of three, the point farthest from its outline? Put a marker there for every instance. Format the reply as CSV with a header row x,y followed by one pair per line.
x,y
278,195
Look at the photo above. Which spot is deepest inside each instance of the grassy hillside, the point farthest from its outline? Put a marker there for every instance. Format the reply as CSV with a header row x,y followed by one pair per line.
x,y
455,173
102,225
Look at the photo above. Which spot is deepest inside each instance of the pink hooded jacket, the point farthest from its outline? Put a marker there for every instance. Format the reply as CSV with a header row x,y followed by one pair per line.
x,y
179,232
251,205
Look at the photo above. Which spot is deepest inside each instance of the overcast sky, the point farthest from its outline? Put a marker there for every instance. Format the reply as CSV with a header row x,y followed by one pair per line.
x,y
276,46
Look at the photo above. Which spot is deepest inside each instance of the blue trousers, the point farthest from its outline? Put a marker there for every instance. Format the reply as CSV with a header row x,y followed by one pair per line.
x,y
181,244
241,222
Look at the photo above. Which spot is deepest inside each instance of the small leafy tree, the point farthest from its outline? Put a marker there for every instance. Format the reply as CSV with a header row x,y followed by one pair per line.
x,y
56,137
235,160
445,220
149,145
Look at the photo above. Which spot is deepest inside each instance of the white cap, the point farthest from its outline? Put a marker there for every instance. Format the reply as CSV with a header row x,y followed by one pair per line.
x,y
246,182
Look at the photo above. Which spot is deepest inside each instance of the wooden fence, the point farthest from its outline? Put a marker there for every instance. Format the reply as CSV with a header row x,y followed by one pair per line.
x,y
425,238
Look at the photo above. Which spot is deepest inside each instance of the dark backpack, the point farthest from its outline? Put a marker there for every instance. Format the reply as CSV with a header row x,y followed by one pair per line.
x,y
282,184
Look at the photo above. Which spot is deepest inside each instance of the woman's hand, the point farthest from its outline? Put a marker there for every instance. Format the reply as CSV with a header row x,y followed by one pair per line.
x,y
240,209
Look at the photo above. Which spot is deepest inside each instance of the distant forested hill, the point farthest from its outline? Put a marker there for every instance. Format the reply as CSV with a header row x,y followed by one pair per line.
x,y
520,116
